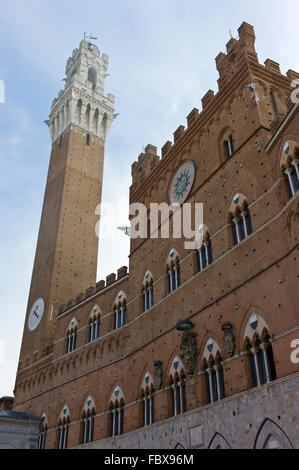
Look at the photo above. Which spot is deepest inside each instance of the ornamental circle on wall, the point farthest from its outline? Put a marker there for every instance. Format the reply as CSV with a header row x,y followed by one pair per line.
x,y
182,182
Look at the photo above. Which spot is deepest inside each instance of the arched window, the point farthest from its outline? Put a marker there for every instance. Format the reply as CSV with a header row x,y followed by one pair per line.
x,y
290,166
72,336
148,406
94,324
213,369
63,425
43,432
148,291
177,379
259,347
148,398
79,111
116,412
92,77
240,218
88,417
117,418
120,313
228,146
173,271
204,251
177,384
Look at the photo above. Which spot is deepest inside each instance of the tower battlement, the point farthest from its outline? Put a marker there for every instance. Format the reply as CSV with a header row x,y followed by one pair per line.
x,y
82,101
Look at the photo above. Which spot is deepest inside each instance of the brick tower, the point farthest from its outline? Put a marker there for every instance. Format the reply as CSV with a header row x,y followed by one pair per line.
x,y
67,247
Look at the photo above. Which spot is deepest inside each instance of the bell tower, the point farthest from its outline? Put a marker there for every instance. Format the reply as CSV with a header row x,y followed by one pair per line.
x,y
67,247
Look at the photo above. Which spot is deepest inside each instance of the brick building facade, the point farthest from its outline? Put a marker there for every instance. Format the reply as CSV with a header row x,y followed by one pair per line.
x,y
192,347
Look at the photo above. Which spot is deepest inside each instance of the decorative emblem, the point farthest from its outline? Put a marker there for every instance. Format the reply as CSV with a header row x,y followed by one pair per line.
x,y
182,182
188,346
184,325
158,375
228,339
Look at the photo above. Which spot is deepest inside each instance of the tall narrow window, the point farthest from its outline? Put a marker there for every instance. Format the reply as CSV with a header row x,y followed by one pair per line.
x,y
117,418
94,328
262,361
178,389
43,434
63,433
215,380
148,292
88,139
71,339
120,313
229,146
205,254
88,427
241,224
174,276
148,407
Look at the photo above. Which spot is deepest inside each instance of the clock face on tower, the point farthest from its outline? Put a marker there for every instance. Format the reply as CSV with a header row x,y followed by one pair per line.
x,y
36,314
182,182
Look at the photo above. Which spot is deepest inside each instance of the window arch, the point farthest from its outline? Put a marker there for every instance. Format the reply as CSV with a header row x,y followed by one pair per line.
x,y
43,432
148,291
116,410
173,271
94,324
213,369
289,163
240,218
204,252
88,417
148,398
63,425
92,77
72,335
120,310
177,379
258,344
228,144
79,110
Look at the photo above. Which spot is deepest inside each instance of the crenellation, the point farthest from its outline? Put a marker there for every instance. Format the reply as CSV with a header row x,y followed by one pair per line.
x,y
166,147
208,97
110,279
272,65
192,116
178,133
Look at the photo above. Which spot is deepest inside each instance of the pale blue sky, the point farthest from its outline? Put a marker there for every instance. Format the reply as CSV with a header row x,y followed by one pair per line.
x,y
161,64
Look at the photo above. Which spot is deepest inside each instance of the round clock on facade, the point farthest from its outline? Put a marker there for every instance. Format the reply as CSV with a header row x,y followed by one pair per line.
x,y
36,314
182,182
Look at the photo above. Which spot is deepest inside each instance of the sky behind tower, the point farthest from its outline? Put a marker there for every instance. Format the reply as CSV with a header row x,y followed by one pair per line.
x,y
161,65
